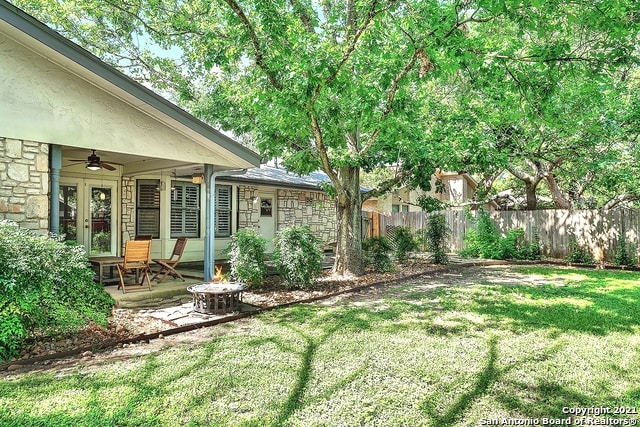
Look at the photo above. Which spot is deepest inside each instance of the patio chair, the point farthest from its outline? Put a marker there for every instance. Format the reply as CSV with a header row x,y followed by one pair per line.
x,y
168,266
136,260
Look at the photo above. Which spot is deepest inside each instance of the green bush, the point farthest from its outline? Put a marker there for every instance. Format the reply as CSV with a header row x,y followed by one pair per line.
x,y
577,253
533,250
402,242
625,252
46,289
486,242
376,252
246,257
436,236
298,256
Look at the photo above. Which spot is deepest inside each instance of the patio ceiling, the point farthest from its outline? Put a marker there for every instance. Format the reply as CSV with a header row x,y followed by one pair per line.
x,y
128,164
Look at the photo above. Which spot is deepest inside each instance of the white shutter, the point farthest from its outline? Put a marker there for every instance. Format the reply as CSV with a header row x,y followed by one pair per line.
x,y
185,210
223,211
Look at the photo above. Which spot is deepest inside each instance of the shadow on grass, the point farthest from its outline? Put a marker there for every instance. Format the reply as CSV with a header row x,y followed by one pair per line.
x,y
591,307
143,384
492,374
328,323
483,381
586,309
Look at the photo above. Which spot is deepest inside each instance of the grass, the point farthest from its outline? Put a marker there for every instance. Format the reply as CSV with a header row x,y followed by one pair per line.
x,y
450,356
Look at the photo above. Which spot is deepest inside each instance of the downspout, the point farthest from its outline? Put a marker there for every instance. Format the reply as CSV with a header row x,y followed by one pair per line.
x,y
209,234
54,203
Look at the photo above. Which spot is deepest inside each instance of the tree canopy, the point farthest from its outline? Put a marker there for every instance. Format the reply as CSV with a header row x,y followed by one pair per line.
x,y
353,85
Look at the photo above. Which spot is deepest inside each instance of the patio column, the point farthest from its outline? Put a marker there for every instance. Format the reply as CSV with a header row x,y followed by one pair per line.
x,y
209,231
54,209
210,218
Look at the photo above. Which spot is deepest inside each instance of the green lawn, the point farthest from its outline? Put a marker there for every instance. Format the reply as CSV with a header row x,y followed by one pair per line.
x,y
462,356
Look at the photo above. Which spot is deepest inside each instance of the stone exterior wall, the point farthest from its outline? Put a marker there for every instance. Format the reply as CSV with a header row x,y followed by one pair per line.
x,y
312,208
128,209
24,183
248,212
293,207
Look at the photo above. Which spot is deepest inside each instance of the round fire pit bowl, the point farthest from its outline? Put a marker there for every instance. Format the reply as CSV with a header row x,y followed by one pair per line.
x,y
216,298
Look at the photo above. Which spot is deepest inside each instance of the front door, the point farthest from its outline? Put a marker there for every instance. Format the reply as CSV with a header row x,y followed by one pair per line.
x,y
267,220
88,214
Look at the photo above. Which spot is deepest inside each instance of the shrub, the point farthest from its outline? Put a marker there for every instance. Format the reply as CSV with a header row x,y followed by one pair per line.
x,y
298,256
577,253
376,251
486,242
246,257
515,246
534,250
402,242
46,289
436,236
625,252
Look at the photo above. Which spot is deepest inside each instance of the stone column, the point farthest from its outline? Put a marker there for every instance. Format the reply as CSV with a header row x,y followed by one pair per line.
x,y
24,183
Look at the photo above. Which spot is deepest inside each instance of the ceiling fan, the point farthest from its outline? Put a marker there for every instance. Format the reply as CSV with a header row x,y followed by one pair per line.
x,y
94,163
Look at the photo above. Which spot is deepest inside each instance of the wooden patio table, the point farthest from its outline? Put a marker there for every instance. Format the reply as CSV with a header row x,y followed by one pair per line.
x,y
102,262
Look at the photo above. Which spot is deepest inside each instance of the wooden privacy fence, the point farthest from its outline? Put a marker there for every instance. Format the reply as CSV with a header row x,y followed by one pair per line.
x,y
596,230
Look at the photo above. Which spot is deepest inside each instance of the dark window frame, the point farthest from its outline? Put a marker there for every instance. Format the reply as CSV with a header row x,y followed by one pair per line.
x,y
148,207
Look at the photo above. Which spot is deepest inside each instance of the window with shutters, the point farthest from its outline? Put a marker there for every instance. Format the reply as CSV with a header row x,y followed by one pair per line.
x,y
223,211
148,207
185,209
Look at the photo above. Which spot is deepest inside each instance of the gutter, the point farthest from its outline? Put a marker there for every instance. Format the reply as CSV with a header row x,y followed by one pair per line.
x,y
209,236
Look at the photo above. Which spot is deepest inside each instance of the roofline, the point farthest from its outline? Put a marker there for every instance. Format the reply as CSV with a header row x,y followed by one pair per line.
x,y
270,183
29,25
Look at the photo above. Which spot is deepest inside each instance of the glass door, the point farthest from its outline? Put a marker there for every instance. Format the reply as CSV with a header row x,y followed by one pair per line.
x,y
101,235
88,212
68,224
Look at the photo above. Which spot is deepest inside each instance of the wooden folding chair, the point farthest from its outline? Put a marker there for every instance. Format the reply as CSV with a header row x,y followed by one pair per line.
x,y
136,260
168,266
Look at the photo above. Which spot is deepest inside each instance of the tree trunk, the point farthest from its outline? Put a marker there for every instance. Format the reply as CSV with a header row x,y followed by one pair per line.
x,y
559,199
530,186
349,214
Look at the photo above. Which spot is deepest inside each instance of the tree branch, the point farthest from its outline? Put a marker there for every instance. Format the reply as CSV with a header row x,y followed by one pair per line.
x,y
322,151
387,185
304,18
627,197
255,41
352,46
395,85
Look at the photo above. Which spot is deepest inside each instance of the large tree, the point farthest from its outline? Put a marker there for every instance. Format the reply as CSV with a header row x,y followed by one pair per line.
x,y
340,85
553,108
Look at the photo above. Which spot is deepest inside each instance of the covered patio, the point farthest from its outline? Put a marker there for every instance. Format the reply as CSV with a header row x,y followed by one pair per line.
x,y
91,154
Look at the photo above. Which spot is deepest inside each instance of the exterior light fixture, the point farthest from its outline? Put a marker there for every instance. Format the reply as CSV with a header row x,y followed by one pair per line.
x,y
197,178
93,162
93,166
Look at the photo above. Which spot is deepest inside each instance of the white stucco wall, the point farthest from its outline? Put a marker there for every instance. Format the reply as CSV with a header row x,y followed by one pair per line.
x,y
42,101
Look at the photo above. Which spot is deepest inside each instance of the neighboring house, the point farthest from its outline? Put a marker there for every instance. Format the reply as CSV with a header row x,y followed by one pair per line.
x,y
60,102
452,188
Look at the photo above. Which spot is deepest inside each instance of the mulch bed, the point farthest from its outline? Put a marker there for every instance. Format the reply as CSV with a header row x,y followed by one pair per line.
x,y
128,323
